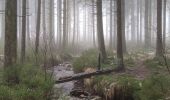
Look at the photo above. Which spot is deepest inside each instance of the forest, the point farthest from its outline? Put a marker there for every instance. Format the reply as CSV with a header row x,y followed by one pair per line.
x,y
84,49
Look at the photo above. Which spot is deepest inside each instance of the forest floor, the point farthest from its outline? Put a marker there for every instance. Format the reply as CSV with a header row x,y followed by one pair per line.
x,y
140,71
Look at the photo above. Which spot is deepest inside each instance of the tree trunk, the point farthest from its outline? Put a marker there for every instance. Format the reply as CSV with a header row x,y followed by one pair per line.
x,y
147,27
119,36
164,26
23,41
59,21
111,25
101,43
28,26
38,29
159,46
123,27
74,22
51,23
11,40
64,25
93,23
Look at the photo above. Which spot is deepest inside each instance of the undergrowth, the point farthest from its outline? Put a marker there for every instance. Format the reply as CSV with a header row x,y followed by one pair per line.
x,y
32,85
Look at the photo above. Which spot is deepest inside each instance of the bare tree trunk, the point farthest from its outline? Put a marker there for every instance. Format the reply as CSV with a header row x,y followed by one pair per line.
x,y
11,40
64,25
28,25
38,29
51,22
3,22
74,22
93,23
159,46
23,41
119,36
164,26
123,27
111,25
59,21
147,27
101,43
115,25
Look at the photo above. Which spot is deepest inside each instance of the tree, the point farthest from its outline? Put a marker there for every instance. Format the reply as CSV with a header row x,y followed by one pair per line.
x,y
74,21
159,46
93,23
119,36
101,43
123,27
23,41
51,25
64,24
147,24
111,25
59,21
38,29
164,25
11,40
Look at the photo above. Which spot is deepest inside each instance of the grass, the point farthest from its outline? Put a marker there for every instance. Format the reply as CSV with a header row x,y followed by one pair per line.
x,y
32,85
86,60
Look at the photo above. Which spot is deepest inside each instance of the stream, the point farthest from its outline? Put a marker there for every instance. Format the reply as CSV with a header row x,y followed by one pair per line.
x,y
64,89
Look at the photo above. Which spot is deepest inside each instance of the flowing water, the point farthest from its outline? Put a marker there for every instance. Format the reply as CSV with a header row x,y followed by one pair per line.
x,y
64,89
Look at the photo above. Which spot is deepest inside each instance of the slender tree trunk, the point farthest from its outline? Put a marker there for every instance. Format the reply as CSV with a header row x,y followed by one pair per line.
x,y
59,21
28,25
141,20
147,27
51,22
11,40
74,22
164,26
93,22
101,43
111,25
3,23
115,25
119,36
38,29
23,41
64,24
159,46
78,27
123,27
85,16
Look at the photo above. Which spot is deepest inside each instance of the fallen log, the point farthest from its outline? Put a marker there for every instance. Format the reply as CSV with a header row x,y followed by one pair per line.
x,y
84,75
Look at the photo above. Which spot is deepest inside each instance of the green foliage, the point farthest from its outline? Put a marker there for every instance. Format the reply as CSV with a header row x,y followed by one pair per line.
x,y
87,59
32,84
157,65
155,88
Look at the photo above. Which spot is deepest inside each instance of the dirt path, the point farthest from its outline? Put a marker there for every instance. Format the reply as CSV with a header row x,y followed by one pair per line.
x,y
140,70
